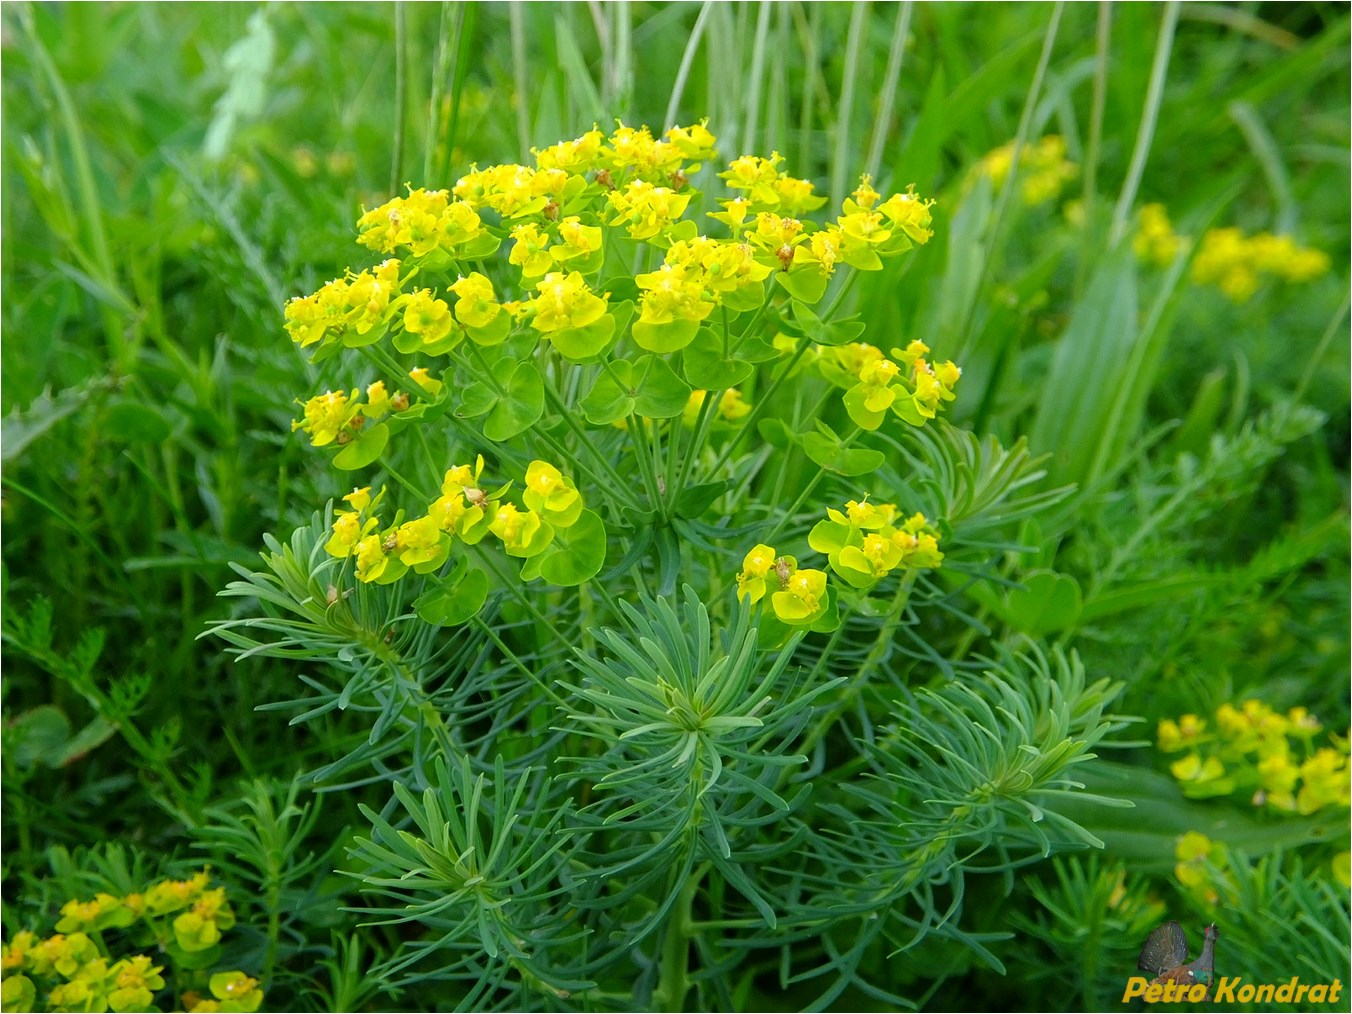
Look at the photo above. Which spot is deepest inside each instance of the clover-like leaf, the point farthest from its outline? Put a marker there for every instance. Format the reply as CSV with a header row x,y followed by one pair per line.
x,y
584,344
705,365
451,604
664,338
363,450
520,406
829,451
612,396
807,283
661,394
576,555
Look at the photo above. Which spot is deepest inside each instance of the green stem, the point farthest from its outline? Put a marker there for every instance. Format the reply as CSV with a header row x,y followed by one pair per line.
x,y
1159,68
274,892
674,979
513,586
762,403
621,484
787,517
400,95
846,697
525,669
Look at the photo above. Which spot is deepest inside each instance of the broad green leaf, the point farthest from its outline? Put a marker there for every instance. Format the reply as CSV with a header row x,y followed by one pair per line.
x,y
1046,603
827,450
695,500
807,284
520,408
664,338
353,340
134,422
452,606
38,735
577,554
612,396
661,394
364,449
755,349
193,959
476,399
97,732
495,333
584,344
776,433
706,367
860,414
837,332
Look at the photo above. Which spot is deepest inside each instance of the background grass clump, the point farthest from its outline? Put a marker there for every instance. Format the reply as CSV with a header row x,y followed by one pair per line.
x,y
173,174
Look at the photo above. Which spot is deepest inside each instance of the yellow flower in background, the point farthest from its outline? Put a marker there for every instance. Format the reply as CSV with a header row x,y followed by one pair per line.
x,y
1257,751
1236,263
1199,861
1155,241
1044,169
1175,736
733,406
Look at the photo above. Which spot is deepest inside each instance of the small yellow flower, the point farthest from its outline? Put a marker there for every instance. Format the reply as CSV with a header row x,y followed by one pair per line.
x,y
236,988
476,306
425,380
530,252
646,210
371,558
549,493
733,406
565,301
326,415
756,567
427,317
803,598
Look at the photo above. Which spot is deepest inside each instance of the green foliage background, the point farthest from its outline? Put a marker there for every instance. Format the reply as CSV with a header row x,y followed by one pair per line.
x,y
172,173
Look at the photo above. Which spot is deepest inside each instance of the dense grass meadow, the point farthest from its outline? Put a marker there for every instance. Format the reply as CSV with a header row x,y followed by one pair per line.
x,y
433,586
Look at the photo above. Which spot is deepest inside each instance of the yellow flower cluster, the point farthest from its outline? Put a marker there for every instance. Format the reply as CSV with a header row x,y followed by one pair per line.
x,y
797,594
864,543
907,384
731,407
1043,172
426,222
1228,259
555,215
353,310
466,512
1236,263
1258,752
564,223
79,974
1155,241
1199,863
337,417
